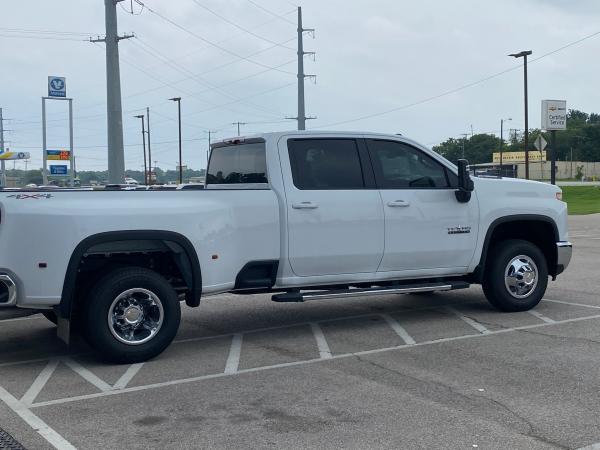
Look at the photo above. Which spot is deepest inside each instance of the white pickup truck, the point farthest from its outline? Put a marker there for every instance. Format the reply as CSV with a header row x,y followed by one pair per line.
x,y
301,215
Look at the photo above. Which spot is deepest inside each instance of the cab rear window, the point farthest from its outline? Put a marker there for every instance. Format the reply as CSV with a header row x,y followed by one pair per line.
x,y
238,164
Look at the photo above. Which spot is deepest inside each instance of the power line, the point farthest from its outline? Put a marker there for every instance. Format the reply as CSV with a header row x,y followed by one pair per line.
x,y
458,89
181,80
203,39
243,99
45,38
189,77
252,33
198,79
30,30
274,14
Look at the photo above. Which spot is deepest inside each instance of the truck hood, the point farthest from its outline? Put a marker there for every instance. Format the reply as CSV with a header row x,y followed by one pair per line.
x,y
517,187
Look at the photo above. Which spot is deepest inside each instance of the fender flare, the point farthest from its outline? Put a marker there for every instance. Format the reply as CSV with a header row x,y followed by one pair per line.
x,y
478,272
68,293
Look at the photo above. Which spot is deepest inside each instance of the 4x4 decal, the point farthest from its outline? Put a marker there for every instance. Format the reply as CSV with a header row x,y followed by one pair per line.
x,y
32,196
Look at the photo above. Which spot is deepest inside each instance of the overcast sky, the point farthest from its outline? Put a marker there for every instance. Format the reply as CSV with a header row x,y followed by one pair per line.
x,y
371,57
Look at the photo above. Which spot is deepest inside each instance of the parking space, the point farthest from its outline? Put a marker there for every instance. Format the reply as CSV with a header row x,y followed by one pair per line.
x,y
439,370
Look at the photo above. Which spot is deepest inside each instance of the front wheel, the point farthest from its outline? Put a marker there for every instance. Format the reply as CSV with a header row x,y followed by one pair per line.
x,y
516,277
131,315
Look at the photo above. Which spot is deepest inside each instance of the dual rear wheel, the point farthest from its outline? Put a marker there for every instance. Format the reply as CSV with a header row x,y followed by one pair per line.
x,y
131,315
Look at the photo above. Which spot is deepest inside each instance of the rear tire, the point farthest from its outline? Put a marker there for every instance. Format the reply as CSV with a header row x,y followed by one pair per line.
x,y
131,315
516,276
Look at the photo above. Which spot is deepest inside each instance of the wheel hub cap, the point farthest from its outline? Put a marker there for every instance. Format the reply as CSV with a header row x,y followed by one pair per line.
x,y
521,276
135,316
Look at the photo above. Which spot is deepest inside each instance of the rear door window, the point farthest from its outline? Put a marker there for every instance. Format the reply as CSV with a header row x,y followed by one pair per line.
x,y
320,164
238,164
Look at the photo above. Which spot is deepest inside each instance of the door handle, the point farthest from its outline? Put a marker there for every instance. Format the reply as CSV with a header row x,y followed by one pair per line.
x,y
398,203
305,205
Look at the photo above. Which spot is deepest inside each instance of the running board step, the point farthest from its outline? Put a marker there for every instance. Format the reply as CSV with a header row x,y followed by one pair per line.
x,y
382,290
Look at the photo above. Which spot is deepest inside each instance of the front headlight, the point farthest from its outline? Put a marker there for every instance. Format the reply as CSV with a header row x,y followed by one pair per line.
x,y
559,195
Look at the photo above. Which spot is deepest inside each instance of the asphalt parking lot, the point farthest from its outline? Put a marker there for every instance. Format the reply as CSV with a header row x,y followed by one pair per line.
x,y
441,370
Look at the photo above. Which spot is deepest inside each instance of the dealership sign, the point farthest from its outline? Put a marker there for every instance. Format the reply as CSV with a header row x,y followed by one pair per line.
x,y
519,157
554,115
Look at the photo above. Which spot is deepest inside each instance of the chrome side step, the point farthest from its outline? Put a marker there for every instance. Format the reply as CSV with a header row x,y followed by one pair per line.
x,y
356,292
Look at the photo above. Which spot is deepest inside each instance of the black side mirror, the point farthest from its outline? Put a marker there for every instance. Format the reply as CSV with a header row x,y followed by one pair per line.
x,y
465,184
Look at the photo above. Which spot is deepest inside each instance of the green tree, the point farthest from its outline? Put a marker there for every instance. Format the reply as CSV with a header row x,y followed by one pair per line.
x,y
476,149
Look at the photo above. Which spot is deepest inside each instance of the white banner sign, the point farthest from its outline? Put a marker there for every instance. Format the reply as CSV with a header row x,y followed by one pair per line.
x,y
554,115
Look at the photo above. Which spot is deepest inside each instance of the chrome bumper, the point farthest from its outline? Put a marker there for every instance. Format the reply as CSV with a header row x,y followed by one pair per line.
x,y
9,290
564,250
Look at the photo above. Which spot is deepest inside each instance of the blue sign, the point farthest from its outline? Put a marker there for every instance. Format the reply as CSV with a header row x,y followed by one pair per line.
x,y
58,170
57,87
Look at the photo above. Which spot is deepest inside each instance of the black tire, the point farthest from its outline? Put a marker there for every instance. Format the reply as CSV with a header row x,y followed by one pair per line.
x,y
51,316
494,287
95,315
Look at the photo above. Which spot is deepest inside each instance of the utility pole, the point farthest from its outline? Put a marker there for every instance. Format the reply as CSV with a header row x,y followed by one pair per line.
x,y
141,116
178,100
524,55
464,135
238,126
553,157
149,148
502,141
3,180
301,75
116,154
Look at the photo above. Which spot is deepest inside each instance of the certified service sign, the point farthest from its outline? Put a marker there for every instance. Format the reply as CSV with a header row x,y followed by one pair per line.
x,y
554,115
57,87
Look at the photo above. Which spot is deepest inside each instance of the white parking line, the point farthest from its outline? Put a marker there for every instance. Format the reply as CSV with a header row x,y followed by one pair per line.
x,y
87,375
233,360
53,438
40,382
300,324
127,376
541,316
399,329
479,327
322,345
290,325
571,303
304,362
591,447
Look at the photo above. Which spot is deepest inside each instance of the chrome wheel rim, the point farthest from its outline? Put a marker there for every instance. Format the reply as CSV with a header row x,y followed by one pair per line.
x,y
521,276
135,316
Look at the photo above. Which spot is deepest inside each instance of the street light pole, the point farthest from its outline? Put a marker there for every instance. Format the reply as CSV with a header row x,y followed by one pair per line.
x,y
149,148
178,100
502,141
141,116
524,55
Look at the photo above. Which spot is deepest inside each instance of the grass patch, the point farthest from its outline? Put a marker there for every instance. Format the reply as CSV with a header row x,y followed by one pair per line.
x,y
582,199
